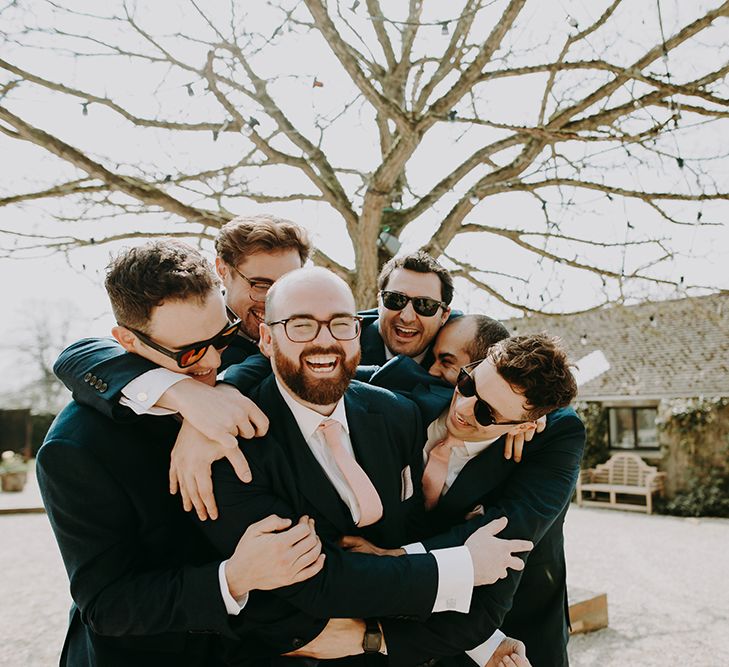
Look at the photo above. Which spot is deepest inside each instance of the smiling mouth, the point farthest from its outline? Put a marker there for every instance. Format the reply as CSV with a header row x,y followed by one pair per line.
x,y
201,374
322,363
460,421
258,315
405,332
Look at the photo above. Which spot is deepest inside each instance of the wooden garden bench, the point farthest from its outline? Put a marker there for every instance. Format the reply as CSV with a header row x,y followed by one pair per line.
x,y
622,474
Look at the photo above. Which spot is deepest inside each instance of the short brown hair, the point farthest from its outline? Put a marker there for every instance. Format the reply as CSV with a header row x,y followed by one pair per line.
x,y
141,278
537,367
488,332
420,262
249,234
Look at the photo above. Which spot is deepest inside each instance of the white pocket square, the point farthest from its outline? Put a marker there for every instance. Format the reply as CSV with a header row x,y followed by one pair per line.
x,y
406,490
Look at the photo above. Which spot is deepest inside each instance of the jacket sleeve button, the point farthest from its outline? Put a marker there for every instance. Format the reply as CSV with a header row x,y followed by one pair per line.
x,y
87,377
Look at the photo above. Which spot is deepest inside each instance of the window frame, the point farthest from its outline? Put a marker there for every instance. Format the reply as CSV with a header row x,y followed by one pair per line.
x,y
637,446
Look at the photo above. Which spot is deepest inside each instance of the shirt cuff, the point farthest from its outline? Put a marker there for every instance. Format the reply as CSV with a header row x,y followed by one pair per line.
x,y
455,579
482,653
143,392
232,606
414,548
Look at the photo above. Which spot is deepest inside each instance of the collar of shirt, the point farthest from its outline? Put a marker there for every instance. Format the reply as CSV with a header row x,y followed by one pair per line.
x,y
307,419
389,354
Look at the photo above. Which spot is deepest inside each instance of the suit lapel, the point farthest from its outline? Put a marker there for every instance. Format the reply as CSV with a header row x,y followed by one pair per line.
x,y
312,481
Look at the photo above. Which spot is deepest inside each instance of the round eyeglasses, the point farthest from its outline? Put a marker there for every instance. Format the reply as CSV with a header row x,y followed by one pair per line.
x,y
300,329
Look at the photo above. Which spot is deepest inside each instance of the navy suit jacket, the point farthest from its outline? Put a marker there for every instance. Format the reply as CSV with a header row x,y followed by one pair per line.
x,y
143,580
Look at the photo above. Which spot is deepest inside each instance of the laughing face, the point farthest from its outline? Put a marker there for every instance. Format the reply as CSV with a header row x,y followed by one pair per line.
x,y
506,405
404,331
261,269
317,372
177,324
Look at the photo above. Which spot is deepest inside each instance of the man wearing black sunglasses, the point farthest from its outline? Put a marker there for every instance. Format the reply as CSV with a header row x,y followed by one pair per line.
x,y
414,295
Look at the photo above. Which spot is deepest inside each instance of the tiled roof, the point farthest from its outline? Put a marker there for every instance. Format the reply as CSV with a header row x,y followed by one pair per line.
x,y
677,348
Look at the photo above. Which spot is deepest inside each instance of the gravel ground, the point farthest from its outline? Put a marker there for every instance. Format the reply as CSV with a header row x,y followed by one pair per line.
x,y
666,580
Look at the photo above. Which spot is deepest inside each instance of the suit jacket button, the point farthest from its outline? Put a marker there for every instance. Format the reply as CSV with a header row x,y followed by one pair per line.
x,y
99,384
297,642
103,387
87,377
92,380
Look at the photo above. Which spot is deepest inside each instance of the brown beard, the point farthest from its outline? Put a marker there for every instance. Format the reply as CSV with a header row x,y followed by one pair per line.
x,y
311,389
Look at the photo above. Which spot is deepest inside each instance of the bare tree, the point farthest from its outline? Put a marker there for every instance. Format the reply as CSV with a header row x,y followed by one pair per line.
x,y
43,330
611,121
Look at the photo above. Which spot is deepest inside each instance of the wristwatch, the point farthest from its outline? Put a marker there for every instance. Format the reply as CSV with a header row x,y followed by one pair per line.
x,y
372,641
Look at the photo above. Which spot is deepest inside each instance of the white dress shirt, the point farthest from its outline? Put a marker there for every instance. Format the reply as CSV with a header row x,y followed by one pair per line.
x,y
455,566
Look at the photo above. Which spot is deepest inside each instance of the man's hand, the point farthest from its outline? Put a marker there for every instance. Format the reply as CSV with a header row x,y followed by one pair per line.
x,y
190,462
221,413
341,637
362,546
515,439
491,555
509,653
270,556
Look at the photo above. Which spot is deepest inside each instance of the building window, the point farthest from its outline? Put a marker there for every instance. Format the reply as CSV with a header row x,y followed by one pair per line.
x,y
633,428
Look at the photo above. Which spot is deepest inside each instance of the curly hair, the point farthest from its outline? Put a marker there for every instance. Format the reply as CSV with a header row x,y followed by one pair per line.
x,y
139,279
249,234
420,262
537,367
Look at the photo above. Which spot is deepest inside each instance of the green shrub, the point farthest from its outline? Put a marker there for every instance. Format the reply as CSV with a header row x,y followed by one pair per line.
x,y
707,494
597,445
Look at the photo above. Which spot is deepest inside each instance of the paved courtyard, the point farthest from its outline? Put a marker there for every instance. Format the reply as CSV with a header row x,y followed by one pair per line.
x,y
667,582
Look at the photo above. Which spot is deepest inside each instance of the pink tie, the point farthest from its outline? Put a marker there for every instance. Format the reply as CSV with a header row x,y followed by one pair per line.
x,y
436,471
370,505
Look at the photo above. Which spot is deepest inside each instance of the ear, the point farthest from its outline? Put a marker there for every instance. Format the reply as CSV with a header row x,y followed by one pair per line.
x,y
125,338
221,268
445,316
265,343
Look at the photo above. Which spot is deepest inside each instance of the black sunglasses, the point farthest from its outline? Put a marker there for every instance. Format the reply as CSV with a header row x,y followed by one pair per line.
x,y
422,305
191,354
484,413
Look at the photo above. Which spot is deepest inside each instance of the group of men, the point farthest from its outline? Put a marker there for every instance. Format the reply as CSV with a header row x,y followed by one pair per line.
x,y
398,517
